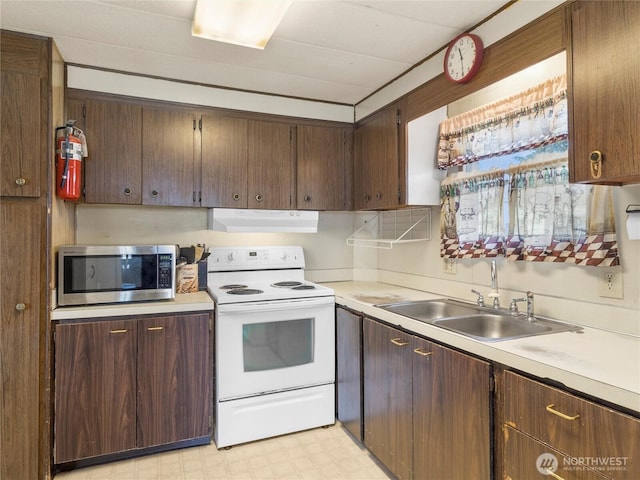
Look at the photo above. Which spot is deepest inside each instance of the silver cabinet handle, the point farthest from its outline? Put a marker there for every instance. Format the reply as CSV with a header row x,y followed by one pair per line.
x,y
399,342
154,193
127,191
21,307
236,197
307,198
20,181
259,197
550,408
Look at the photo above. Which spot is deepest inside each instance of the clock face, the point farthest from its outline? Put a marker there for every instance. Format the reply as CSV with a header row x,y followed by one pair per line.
x,y
463,57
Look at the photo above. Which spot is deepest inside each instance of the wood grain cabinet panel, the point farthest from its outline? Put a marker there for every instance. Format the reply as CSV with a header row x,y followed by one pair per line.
x,y
130,384
378,145
605,90
169,163
24,80
349,371
21,235
572,425
113,169
451,413
387,396
174,379
427,408
324,163
528,459
95,395
271,152
223,180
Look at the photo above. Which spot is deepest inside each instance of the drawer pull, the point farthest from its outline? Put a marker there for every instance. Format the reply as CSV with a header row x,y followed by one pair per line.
x,y
154,329
398,342
554,475
118,331
550,409
421,352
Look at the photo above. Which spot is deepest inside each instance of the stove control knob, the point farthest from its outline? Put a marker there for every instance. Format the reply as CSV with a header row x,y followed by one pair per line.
x,y
230,256
283,255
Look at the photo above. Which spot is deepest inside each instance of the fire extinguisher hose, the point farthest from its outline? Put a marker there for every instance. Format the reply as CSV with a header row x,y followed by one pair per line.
x,y
65,148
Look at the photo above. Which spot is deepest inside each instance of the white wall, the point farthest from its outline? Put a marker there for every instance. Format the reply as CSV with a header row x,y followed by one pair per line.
x,y
327,256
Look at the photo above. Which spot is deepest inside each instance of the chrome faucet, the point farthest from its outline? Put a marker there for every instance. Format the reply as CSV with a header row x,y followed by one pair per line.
x,y
494,285
530,314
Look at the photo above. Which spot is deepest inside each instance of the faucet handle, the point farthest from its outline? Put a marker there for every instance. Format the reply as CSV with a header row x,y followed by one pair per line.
x,y
480,300
513,306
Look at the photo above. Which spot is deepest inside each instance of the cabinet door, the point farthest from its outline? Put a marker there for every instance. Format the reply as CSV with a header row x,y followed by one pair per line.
x,y
605,90
376,161
323,167
527,459
113,169
168,160
224,162
452,413
349,370
577,427
95,389
24,126
271,153
387,396
21,309
174,379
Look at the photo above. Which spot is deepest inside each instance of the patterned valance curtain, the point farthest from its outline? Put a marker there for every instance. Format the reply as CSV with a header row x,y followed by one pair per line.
x,y
549,219
553,220
533,118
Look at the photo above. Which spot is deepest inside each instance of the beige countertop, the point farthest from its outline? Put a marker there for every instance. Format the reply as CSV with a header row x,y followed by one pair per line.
x,y
602,364
184,302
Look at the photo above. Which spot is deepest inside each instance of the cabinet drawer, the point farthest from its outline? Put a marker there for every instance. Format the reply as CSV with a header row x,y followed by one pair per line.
x,y
527,459
579,428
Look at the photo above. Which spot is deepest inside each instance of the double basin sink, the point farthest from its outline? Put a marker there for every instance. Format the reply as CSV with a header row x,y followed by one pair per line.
x,y
482,323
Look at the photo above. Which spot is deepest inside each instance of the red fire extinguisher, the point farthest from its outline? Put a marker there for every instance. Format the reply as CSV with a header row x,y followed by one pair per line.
x,y
70,148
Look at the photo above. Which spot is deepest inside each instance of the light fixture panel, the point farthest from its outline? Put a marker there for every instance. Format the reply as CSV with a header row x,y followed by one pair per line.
x,y
249,23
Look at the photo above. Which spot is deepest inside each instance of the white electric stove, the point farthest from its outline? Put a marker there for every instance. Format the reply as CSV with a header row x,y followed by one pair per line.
x,y
275,344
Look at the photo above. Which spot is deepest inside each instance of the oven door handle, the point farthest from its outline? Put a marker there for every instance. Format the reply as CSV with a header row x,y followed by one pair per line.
x,y
275,305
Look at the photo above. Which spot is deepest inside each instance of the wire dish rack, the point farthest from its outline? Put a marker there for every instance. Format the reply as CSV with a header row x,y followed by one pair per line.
x,y
386,229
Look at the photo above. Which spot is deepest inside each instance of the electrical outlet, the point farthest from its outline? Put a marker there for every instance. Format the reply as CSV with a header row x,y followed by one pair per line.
x,y
610,284
449,265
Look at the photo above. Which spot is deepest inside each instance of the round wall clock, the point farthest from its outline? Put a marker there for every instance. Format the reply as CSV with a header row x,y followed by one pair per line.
x,y
463,58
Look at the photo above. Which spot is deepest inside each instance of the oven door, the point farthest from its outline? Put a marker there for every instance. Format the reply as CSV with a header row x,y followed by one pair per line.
x,y
264,347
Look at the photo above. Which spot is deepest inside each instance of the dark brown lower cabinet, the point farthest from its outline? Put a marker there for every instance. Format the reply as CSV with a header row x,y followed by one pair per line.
x,y
349,370
174,379
427,408
131,383
530,459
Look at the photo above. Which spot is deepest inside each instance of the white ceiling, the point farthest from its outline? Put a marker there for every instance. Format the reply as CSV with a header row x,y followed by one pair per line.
x,y
329,50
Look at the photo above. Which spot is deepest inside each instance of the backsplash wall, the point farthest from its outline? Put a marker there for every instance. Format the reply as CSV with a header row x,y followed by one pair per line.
x,y
562,291
566,292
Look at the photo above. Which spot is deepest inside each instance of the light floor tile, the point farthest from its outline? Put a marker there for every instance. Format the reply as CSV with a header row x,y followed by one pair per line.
x,y
318,454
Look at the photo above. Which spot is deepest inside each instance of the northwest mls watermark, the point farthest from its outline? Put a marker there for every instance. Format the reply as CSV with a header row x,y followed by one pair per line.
x,y
548,462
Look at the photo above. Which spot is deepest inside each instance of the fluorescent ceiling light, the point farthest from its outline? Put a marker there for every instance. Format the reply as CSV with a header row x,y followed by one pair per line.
x,y
249,23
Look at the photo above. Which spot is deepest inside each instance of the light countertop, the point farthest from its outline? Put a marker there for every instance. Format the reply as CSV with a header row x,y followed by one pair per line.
x,y
598,363
184,302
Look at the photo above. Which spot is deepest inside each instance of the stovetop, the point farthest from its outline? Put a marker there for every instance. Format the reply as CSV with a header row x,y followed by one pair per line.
x,y
258,274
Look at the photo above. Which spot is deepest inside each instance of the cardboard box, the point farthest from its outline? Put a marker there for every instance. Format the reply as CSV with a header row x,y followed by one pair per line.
x,y
187,278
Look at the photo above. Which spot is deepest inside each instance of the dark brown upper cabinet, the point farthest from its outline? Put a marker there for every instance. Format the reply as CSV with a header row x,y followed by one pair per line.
x,y
169,161
113,169
324,167
603,65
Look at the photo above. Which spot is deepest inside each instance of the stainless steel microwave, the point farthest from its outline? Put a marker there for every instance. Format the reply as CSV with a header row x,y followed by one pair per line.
x,y
90,275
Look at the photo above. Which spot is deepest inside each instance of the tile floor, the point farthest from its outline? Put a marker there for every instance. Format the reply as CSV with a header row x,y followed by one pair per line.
x,y
318,454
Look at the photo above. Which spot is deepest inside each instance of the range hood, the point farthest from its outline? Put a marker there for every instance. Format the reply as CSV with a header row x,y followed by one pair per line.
x,y
262,221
